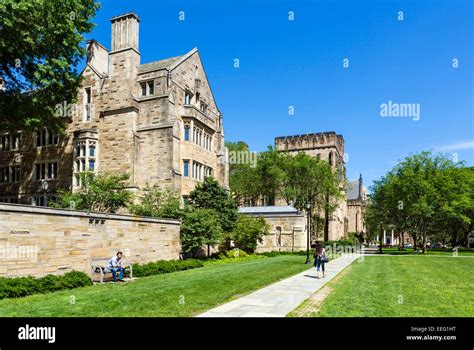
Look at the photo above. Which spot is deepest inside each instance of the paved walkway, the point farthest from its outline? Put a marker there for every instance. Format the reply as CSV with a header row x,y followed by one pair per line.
x,y
280,298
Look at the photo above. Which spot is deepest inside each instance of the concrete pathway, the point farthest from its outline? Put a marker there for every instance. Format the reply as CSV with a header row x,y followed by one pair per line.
x,y
280,298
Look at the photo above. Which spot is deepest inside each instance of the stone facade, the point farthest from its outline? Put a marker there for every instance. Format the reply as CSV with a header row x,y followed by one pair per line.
x,y
356,204
157,121
327,146
287,228
37,241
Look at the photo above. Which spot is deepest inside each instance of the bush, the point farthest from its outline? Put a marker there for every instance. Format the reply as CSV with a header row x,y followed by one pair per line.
x,y
233,253
24,286
342,242
248,232
276,253
165,266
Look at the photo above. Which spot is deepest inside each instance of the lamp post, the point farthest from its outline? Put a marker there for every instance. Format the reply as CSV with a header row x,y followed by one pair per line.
x,y
308,211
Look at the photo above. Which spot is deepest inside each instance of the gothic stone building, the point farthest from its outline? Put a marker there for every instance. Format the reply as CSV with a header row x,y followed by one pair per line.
x,y
356,204
156,121
327,146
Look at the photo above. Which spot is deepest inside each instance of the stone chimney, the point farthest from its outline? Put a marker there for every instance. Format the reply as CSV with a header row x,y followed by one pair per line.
x,y
124,56
98,57
125,32
360,186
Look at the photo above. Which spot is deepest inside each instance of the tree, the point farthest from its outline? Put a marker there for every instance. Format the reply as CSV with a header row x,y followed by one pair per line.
x,y
271,174
210,195
40,41
248,232
201,226
309,180
103,193
424,195
242,173
159,203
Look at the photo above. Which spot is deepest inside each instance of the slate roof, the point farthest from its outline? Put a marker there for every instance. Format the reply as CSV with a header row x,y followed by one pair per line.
x,y
157,65
352,190
275,209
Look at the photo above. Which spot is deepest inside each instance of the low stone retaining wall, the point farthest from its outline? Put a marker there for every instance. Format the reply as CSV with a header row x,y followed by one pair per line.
x,y
35,241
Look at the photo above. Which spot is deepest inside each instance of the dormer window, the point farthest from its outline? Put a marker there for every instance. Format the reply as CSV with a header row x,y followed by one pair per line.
x,y
147,88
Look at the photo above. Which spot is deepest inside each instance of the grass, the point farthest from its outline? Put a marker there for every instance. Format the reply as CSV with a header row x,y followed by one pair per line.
x,y
391,286
184,293
444,251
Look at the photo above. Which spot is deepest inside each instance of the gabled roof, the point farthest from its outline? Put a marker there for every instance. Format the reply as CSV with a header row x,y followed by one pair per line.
x,y
167,63
172,63
352,189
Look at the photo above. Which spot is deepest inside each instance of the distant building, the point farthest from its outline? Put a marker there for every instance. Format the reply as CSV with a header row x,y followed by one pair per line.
x,y
356,205
287,228
327,146
157,121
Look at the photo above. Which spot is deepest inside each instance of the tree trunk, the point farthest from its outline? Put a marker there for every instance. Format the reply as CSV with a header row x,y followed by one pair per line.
x,y
414,243
326,220
380,242
208,250
424,243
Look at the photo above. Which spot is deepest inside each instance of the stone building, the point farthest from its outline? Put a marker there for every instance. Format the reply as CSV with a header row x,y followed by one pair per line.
x,y
157,121
327,146
356,204
287,231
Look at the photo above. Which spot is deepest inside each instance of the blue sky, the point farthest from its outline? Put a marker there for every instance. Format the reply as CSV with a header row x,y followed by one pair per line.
x,y
300,63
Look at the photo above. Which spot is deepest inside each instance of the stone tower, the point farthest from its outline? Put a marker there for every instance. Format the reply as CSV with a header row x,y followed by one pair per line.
x,y
327,146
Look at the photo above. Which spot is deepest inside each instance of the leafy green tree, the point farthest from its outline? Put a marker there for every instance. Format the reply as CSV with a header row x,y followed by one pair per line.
x,y
210,195
271,174
103,193
248,232
242,175
309,180
159,203
40,44
424,195
200,227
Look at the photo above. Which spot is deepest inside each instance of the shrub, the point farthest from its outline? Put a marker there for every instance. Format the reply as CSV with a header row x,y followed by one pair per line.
x,y
275,253
248,232
342,242
165,266
24,286
233,253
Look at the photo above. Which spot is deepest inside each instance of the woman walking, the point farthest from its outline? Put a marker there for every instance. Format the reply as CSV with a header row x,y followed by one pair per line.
x,y
319,253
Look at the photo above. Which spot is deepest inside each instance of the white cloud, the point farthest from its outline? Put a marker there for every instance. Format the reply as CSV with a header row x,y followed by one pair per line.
x,y
460,145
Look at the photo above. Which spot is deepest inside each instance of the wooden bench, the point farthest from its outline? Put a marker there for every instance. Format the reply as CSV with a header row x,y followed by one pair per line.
x,y
99,268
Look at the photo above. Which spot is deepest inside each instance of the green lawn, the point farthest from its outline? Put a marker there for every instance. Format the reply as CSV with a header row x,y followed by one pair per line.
x,y
445,251
395,286
185,293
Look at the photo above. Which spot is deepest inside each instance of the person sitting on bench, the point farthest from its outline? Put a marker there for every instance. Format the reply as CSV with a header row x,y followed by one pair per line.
x,y
115,265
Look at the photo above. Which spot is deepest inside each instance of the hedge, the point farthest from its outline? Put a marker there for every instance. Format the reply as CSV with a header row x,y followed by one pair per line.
x,y
23,286
165,266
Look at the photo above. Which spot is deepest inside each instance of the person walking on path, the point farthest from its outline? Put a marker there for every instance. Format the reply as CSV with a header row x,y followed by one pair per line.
x,y
319,259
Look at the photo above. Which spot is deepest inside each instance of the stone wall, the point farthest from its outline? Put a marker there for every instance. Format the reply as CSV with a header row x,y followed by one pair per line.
x,y
37,241
287,233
